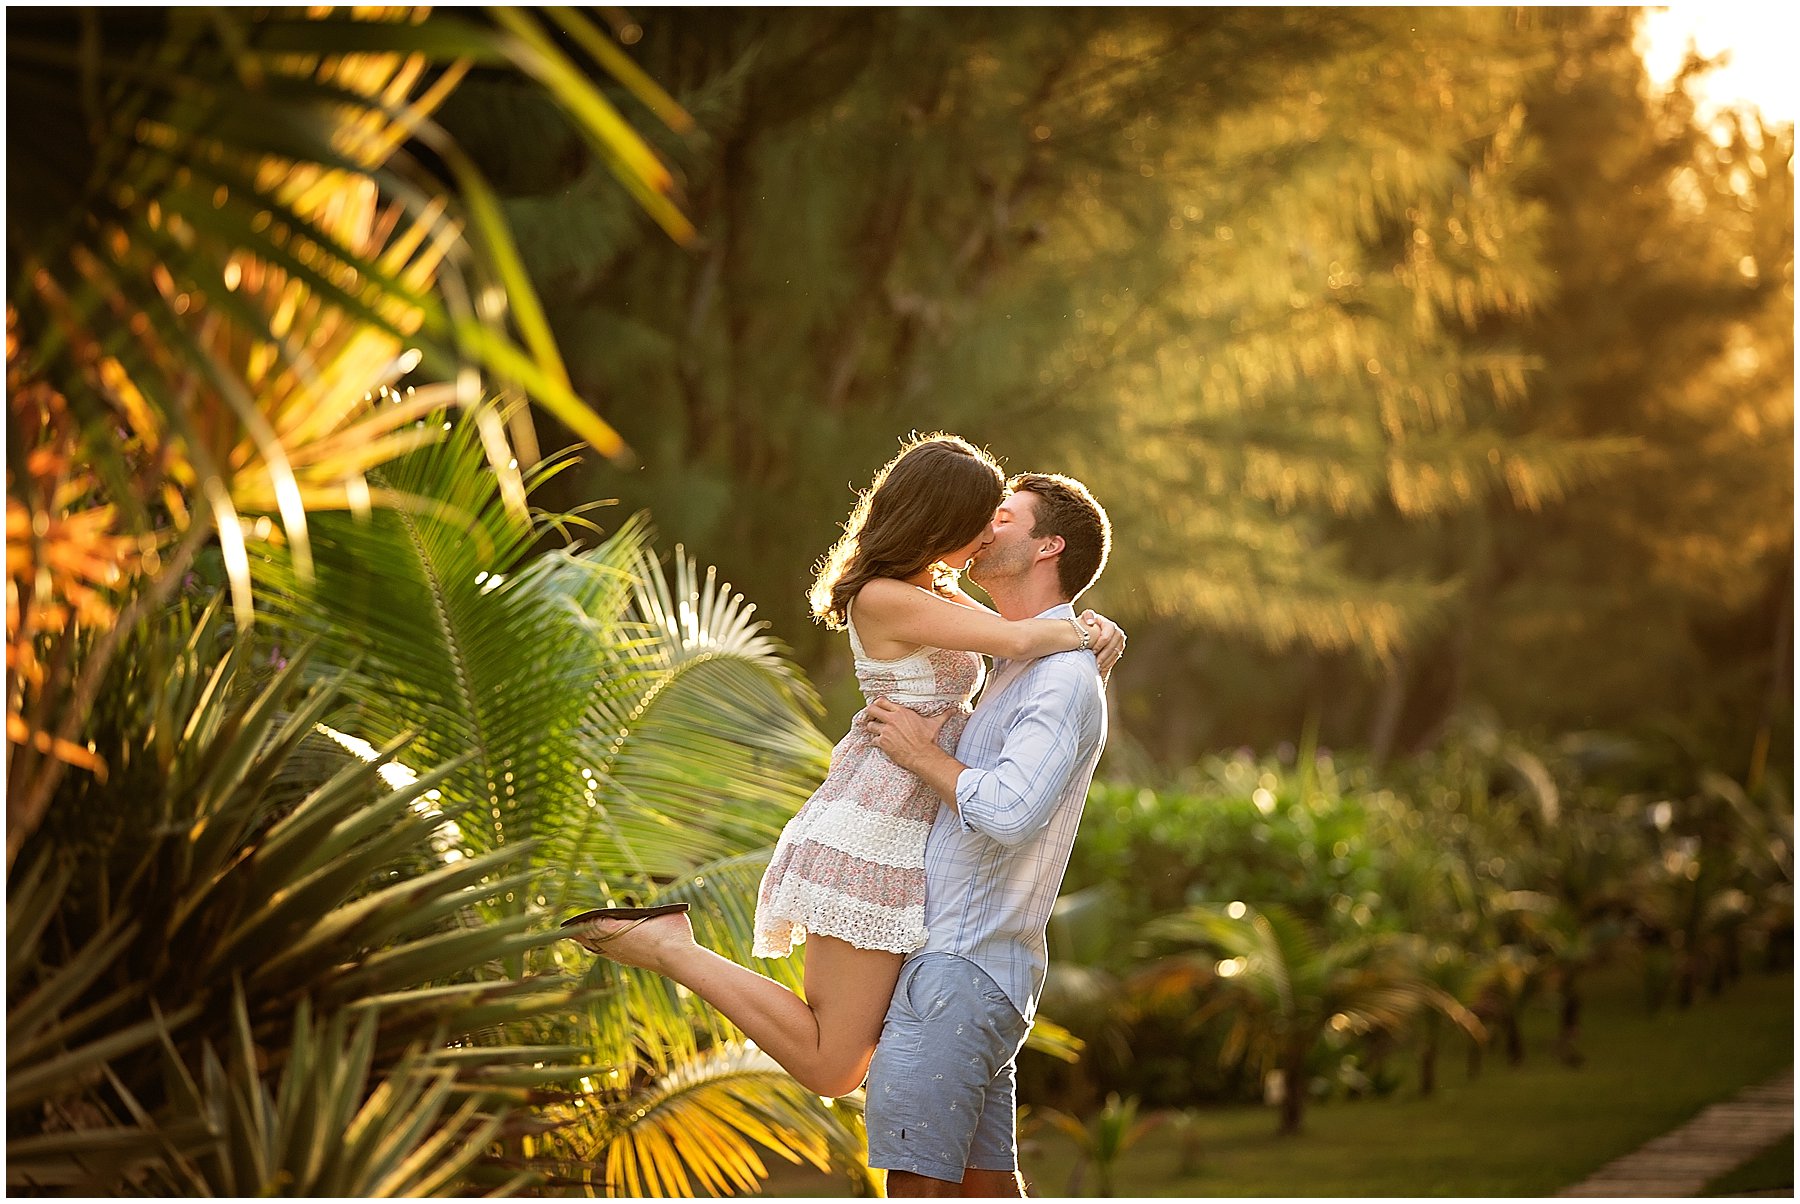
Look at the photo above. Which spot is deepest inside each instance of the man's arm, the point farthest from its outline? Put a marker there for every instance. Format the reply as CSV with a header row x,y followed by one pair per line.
x,y
1054,730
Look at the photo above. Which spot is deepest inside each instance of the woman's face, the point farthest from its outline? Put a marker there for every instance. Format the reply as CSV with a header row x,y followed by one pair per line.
x,y
959,559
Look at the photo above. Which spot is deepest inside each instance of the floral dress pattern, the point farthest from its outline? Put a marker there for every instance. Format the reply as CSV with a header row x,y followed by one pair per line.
x,y
851,863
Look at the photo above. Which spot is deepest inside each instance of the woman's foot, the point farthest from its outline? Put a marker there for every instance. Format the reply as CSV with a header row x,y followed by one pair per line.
x,y
633,936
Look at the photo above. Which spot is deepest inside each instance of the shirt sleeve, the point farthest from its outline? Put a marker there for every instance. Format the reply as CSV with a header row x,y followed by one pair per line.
x,y
1054,731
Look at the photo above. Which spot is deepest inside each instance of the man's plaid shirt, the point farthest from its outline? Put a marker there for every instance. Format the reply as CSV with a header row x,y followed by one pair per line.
x,y
994,866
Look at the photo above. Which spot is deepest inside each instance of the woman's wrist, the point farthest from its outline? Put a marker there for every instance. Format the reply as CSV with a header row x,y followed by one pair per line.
x,y
1083,635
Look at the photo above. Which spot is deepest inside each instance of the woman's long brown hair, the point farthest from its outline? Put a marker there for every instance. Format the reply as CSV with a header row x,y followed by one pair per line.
x,y
928,501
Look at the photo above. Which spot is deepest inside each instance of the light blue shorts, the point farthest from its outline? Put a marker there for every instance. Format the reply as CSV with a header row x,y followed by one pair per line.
x,y
942,1090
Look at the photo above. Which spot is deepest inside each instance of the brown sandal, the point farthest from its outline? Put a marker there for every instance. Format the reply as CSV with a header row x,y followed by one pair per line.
x,y
637,915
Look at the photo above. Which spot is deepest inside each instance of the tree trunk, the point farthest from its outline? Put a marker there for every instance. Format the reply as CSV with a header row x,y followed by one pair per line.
x,y
1515,1038
1456,679
1780,662
1731,955
1293,1089
1570,1030
1428,1055
1386,724
1658,969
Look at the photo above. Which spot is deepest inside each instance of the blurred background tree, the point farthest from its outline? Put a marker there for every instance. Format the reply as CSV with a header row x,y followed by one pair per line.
x,y
1342,313
1666,595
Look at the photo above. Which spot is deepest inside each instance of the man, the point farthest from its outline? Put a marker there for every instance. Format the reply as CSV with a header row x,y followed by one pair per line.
x,y
990,883
940,1091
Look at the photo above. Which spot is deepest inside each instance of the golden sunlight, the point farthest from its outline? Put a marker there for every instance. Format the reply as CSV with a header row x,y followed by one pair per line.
x,y
1755,41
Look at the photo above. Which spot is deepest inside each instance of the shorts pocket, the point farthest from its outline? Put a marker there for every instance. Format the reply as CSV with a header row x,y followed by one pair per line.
x,y
921,991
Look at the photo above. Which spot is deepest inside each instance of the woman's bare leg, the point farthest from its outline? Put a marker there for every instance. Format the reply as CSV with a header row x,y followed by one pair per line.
x,y
824,1040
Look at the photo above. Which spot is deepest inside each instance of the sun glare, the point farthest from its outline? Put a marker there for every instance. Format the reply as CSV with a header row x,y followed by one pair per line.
x,y
1757,41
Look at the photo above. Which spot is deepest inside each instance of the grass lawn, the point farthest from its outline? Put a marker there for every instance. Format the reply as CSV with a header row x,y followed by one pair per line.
x,y
1513,1131
1770,1172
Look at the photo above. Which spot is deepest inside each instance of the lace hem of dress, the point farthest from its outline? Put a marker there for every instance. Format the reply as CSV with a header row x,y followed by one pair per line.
x,y
892,840
800,908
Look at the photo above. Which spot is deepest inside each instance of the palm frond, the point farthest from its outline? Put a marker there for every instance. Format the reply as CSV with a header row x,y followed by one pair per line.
x,y
707,725
641,730
701,1126
697,739
647,1021
1268,948
225,255
219,121
431,599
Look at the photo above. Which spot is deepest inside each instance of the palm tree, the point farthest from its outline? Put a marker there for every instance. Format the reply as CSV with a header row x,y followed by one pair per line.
x,y
639,738
228,232
1284,988
1506,979
1112,1133
1450,970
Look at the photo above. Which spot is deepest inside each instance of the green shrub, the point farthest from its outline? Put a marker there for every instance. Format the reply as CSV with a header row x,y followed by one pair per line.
x,y
1237,828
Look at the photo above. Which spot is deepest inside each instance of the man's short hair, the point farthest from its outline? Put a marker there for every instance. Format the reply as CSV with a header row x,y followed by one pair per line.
x,y
1066,508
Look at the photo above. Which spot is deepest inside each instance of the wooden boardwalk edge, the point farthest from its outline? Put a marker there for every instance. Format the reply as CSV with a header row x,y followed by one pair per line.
x,y
1722,1138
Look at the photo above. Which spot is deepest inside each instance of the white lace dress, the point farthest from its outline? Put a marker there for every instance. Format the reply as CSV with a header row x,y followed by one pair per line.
x,y
851,863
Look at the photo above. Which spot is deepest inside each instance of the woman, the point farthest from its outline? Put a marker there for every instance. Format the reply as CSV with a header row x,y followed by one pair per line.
x,y
848,872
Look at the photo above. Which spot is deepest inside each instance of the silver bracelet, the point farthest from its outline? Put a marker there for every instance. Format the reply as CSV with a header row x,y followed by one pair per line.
x,y
1087,639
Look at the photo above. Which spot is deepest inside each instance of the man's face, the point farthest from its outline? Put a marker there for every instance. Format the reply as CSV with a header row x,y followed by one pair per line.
x,y
1011,550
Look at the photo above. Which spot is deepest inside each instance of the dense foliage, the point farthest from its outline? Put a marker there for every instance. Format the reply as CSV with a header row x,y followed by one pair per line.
x,y
308,742
1464,884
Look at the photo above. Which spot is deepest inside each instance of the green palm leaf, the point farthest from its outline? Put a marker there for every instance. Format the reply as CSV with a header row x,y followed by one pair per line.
x,y
452,638
230,234
203,90
639,730
708,724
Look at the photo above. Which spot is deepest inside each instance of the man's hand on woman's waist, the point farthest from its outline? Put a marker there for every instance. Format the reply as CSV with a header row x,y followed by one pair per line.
x,y
910,741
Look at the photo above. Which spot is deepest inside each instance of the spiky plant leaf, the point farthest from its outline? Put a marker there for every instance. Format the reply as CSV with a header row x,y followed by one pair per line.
x,y
226,248
323,1127
205,929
